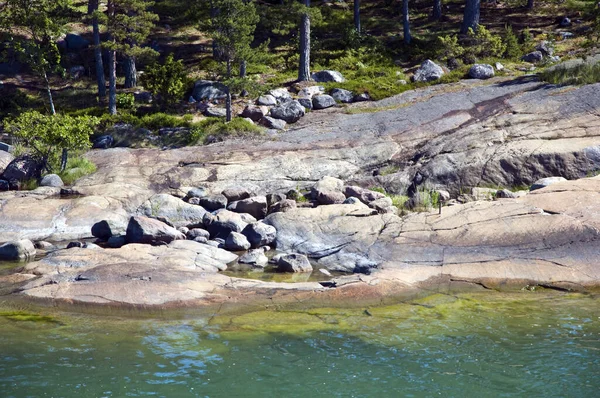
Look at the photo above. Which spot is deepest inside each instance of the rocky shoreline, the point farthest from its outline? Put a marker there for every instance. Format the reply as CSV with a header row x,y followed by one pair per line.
x,y
170,221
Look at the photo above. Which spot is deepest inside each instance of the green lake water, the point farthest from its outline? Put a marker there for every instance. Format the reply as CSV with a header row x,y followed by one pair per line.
x,y
533,344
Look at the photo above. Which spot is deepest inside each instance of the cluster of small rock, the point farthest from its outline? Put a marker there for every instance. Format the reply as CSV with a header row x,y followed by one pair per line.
x,y
544,51
278,107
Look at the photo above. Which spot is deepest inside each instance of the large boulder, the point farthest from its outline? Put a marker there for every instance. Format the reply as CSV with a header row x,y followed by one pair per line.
x,y
306,103
272,123
223,222
103,142
481,71
76,42
328,191
255,113
309,92
51,180
209,90
256,206
281,95
17,250
341,95
322,101
293,263
544,182
215,111
236,242
260,234
290,111
255,258
22,168
236,193
148,230
428,71
174,209
105,229
325,76
266,100
5,159
533,57
213,202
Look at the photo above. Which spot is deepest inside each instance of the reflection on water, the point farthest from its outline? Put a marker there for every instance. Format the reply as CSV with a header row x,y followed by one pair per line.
x,y
527,344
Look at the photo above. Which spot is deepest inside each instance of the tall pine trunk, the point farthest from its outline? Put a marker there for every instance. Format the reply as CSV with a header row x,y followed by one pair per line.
x,y
49,92
471,16
530,4
243,66
437,10
304,65
93,7
130,72
228,111
112,82
357,15
406,22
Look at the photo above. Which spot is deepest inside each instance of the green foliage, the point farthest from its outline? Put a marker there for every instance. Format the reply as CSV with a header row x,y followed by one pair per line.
x,y
482,43
449,48
527,44
232,26
167,81
77,167
511,44
126,101
128,26
581,74
46,136
219,129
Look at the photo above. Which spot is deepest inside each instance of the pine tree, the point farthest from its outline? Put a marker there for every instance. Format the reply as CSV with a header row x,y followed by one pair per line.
x,y
101,81
232,26
33,28
471,16
128,23
406,22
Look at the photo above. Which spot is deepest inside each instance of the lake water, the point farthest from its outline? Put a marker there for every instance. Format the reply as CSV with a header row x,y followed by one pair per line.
x,y
534,344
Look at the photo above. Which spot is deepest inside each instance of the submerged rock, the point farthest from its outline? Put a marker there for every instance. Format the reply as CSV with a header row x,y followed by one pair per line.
x,y
294,263
17,250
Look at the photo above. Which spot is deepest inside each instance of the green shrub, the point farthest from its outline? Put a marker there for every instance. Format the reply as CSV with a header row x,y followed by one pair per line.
x,y
167,81
449,48
77,167
527,44
511,44
238,127
125,101
582,74
481,43
46,136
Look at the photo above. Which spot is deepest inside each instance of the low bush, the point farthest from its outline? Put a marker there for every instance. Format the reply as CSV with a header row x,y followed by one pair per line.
x,y
77,167
581,74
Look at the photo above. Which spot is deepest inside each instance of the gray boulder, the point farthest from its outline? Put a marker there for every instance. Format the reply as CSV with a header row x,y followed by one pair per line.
x,y
546,48
506,194
273,198
323,101
294,263
256,206
291,111
237,193
51,180
481,71
544,182
176,210
533,57
309,92
214,111
198,192
194,233
148,230
306,103
281,95
213,202
428,71
114,242
104,229
223,222
381,205
75,42
255,258
328,191
282,206
17,250
22,168
103,142
255,112
351,201
266,100
362,97
341,95
272,123
236,242
209,90
5,159
325,76
259,234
